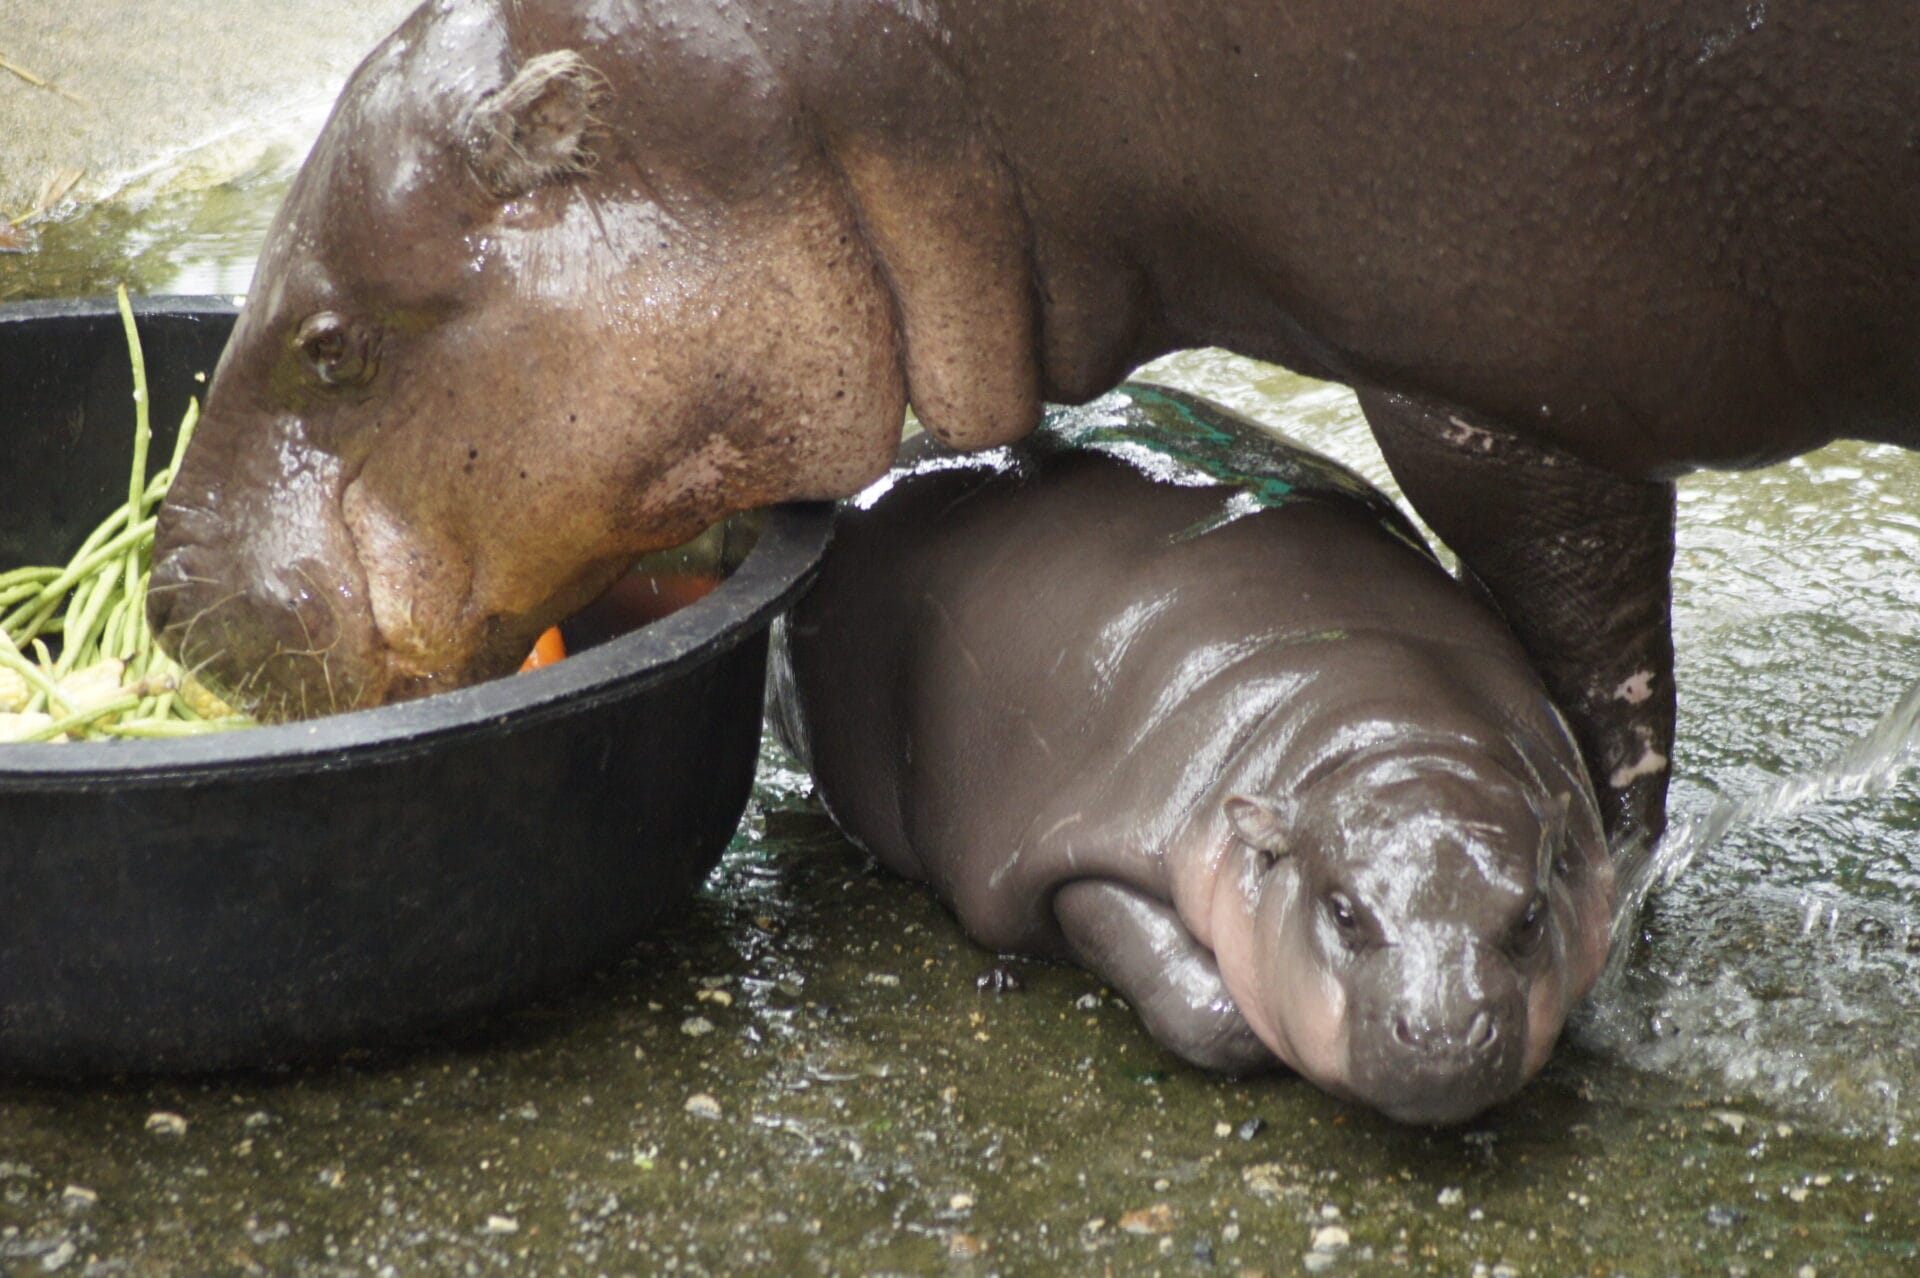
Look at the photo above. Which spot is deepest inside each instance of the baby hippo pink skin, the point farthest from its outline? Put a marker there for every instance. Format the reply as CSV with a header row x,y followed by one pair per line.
x,y
1276,777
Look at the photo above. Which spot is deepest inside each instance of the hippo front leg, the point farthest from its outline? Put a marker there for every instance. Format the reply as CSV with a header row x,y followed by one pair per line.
x,y
1139,946
1579,560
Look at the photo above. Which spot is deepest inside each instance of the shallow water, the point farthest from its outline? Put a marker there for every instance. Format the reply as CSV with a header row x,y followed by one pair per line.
x,y
802,1076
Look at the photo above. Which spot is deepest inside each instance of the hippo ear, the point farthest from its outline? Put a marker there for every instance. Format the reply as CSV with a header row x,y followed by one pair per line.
x,y
1554,816
536,129
1260,823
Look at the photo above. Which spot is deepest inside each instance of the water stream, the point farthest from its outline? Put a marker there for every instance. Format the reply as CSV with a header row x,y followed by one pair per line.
x,y
1867,767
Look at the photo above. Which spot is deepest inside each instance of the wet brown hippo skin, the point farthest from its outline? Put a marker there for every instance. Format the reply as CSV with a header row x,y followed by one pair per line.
x,y
1617,241
1283,784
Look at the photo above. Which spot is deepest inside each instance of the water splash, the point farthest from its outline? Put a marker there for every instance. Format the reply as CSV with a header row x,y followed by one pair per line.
x,y
1870,764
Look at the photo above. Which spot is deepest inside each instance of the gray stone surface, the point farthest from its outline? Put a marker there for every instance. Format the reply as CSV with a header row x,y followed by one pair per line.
x,y
155,94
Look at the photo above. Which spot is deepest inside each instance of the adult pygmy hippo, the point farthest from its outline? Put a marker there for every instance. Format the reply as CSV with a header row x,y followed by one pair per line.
x,y
1267,770
565,280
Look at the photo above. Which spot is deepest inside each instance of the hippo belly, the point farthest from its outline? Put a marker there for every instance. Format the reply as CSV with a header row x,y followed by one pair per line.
x,y
1237,745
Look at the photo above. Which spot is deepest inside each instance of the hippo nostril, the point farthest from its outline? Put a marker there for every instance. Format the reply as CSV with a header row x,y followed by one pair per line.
x,y
1480,1034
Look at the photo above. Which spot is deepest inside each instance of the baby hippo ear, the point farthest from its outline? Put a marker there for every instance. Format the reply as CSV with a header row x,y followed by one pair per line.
x,y
1261,824
537,128
1552,857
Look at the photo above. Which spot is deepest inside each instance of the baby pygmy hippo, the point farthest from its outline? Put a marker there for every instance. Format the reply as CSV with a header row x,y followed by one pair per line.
x,y
1162,693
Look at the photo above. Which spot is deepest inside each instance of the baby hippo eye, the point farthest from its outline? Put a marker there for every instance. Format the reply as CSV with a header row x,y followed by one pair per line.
x,y
1345,918
337,351
1530,929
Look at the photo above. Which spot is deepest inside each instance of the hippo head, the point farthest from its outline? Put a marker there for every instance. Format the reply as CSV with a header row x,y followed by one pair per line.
x,y
523,316
1416,927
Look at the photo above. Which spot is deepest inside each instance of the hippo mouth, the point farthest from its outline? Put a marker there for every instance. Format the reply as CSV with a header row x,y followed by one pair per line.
x,y
1443,1096
1438,1080
285,645
341,609
303,641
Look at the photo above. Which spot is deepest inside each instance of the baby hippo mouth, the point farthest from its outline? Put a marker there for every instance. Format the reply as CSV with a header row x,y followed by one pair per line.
x,y
1437,1066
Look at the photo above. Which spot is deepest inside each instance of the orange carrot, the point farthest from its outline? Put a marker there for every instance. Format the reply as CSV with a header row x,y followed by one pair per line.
x,y
547,649
632,602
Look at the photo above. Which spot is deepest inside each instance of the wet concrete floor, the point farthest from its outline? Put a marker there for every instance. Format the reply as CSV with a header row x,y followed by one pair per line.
x,y
813,1072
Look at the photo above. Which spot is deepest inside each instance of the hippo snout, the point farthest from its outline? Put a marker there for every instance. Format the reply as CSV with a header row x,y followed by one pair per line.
x,y
1415,1035
281,639
1440,1061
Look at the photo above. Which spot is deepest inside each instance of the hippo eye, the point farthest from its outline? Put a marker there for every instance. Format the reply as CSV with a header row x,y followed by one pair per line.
x,y
337,351
1530,929
1344,916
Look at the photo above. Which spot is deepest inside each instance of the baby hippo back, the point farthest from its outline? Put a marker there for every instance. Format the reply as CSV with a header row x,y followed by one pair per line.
x,y
1140,691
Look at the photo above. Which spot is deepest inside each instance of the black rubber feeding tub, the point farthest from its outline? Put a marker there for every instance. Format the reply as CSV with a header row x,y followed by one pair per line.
x,y
284,892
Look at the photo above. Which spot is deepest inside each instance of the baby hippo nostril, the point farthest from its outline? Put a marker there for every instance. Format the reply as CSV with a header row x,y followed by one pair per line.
x,y
1480,1034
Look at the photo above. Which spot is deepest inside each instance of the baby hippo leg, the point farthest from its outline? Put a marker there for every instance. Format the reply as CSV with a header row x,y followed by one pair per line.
x,y
1139,946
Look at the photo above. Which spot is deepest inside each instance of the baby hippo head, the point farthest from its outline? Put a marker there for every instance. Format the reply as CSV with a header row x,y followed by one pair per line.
x,y
1415,927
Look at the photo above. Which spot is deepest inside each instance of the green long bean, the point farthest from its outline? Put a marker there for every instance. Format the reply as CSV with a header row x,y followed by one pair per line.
x,y
102,677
